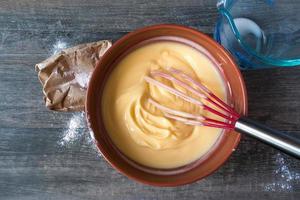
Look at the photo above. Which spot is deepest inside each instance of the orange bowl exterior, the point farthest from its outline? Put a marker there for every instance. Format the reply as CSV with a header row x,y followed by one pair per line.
x,y
171,177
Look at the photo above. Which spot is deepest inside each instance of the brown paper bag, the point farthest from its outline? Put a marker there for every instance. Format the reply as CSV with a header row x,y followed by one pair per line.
x,y
64,76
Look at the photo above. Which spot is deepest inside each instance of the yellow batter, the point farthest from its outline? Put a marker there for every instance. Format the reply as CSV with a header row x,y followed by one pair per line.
x,y
137,127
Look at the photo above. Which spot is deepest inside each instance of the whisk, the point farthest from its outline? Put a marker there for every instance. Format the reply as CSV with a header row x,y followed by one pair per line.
x,y
204,98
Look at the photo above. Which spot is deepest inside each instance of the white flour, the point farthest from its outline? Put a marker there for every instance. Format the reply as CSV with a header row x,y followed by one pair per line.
x,y
286,177
74,131
77,134
82,79
58,46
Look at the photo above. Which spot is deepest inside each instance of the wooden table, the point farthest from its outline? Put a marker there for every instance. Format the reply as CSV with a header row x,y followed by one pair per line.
x,y
49,155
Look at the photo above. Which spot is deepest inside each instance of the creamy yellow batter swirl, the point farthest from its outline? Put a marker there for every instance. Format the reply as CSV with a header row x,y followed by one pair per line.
x,y
137,127
147,124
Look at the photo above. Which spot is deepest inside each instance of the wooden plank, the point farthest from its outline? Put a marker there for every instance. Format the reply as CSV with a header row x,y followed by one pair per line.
x,y
71,168
274,97
111,16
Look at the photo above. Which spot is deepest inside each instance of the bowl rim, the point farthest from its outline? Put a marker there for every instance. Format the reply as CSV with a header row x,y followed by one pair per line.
x,y
123,40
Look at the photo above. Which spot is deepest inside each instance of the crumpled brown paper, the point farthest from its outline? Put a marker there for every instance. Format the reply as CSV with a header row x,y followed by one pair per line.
x,y
64,76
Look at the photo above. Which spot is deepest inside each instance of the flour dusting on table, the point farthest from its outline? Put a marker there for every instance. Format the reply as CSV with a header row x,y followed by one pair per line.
x,y
58,46
287,178
77,133
74,131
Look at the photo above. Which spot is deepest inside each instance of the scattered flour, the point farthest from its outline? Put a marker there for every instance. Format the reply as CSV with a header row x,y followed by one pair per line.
x,y
287,177
77,133
82,79
58,46
74,132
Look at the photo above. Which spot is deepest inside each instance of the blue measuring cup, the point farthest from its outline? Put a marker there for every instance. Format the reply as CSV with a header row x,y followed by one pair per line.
x,y
260,33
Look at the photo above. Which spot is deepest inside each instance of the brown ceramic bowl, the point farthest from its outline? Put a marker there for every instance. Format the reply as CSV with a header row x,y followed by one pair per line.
x,y
226,143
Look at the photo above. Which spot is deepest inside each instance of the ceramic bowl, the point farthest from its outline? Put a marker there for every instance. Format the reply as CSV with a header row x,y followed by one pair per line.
x,y
226,143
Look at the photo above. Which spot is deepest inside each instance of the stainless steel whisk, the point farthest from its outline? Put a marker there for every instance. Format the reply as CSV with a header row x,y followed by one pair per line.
x,y
232,120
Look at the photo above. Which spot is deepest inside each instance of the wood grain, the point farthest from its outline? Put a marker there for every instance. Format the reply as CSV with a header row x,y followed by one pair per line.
x,y
49,155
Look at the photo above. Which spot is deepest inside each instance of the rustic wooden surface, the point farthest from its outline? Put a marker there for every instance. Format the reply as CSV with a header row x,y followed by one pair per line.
x,y
49,155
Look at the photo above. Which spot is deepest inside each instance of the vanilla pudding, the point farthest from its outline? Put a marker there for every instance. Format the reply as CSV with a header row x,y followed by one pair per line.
x,y
138,128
